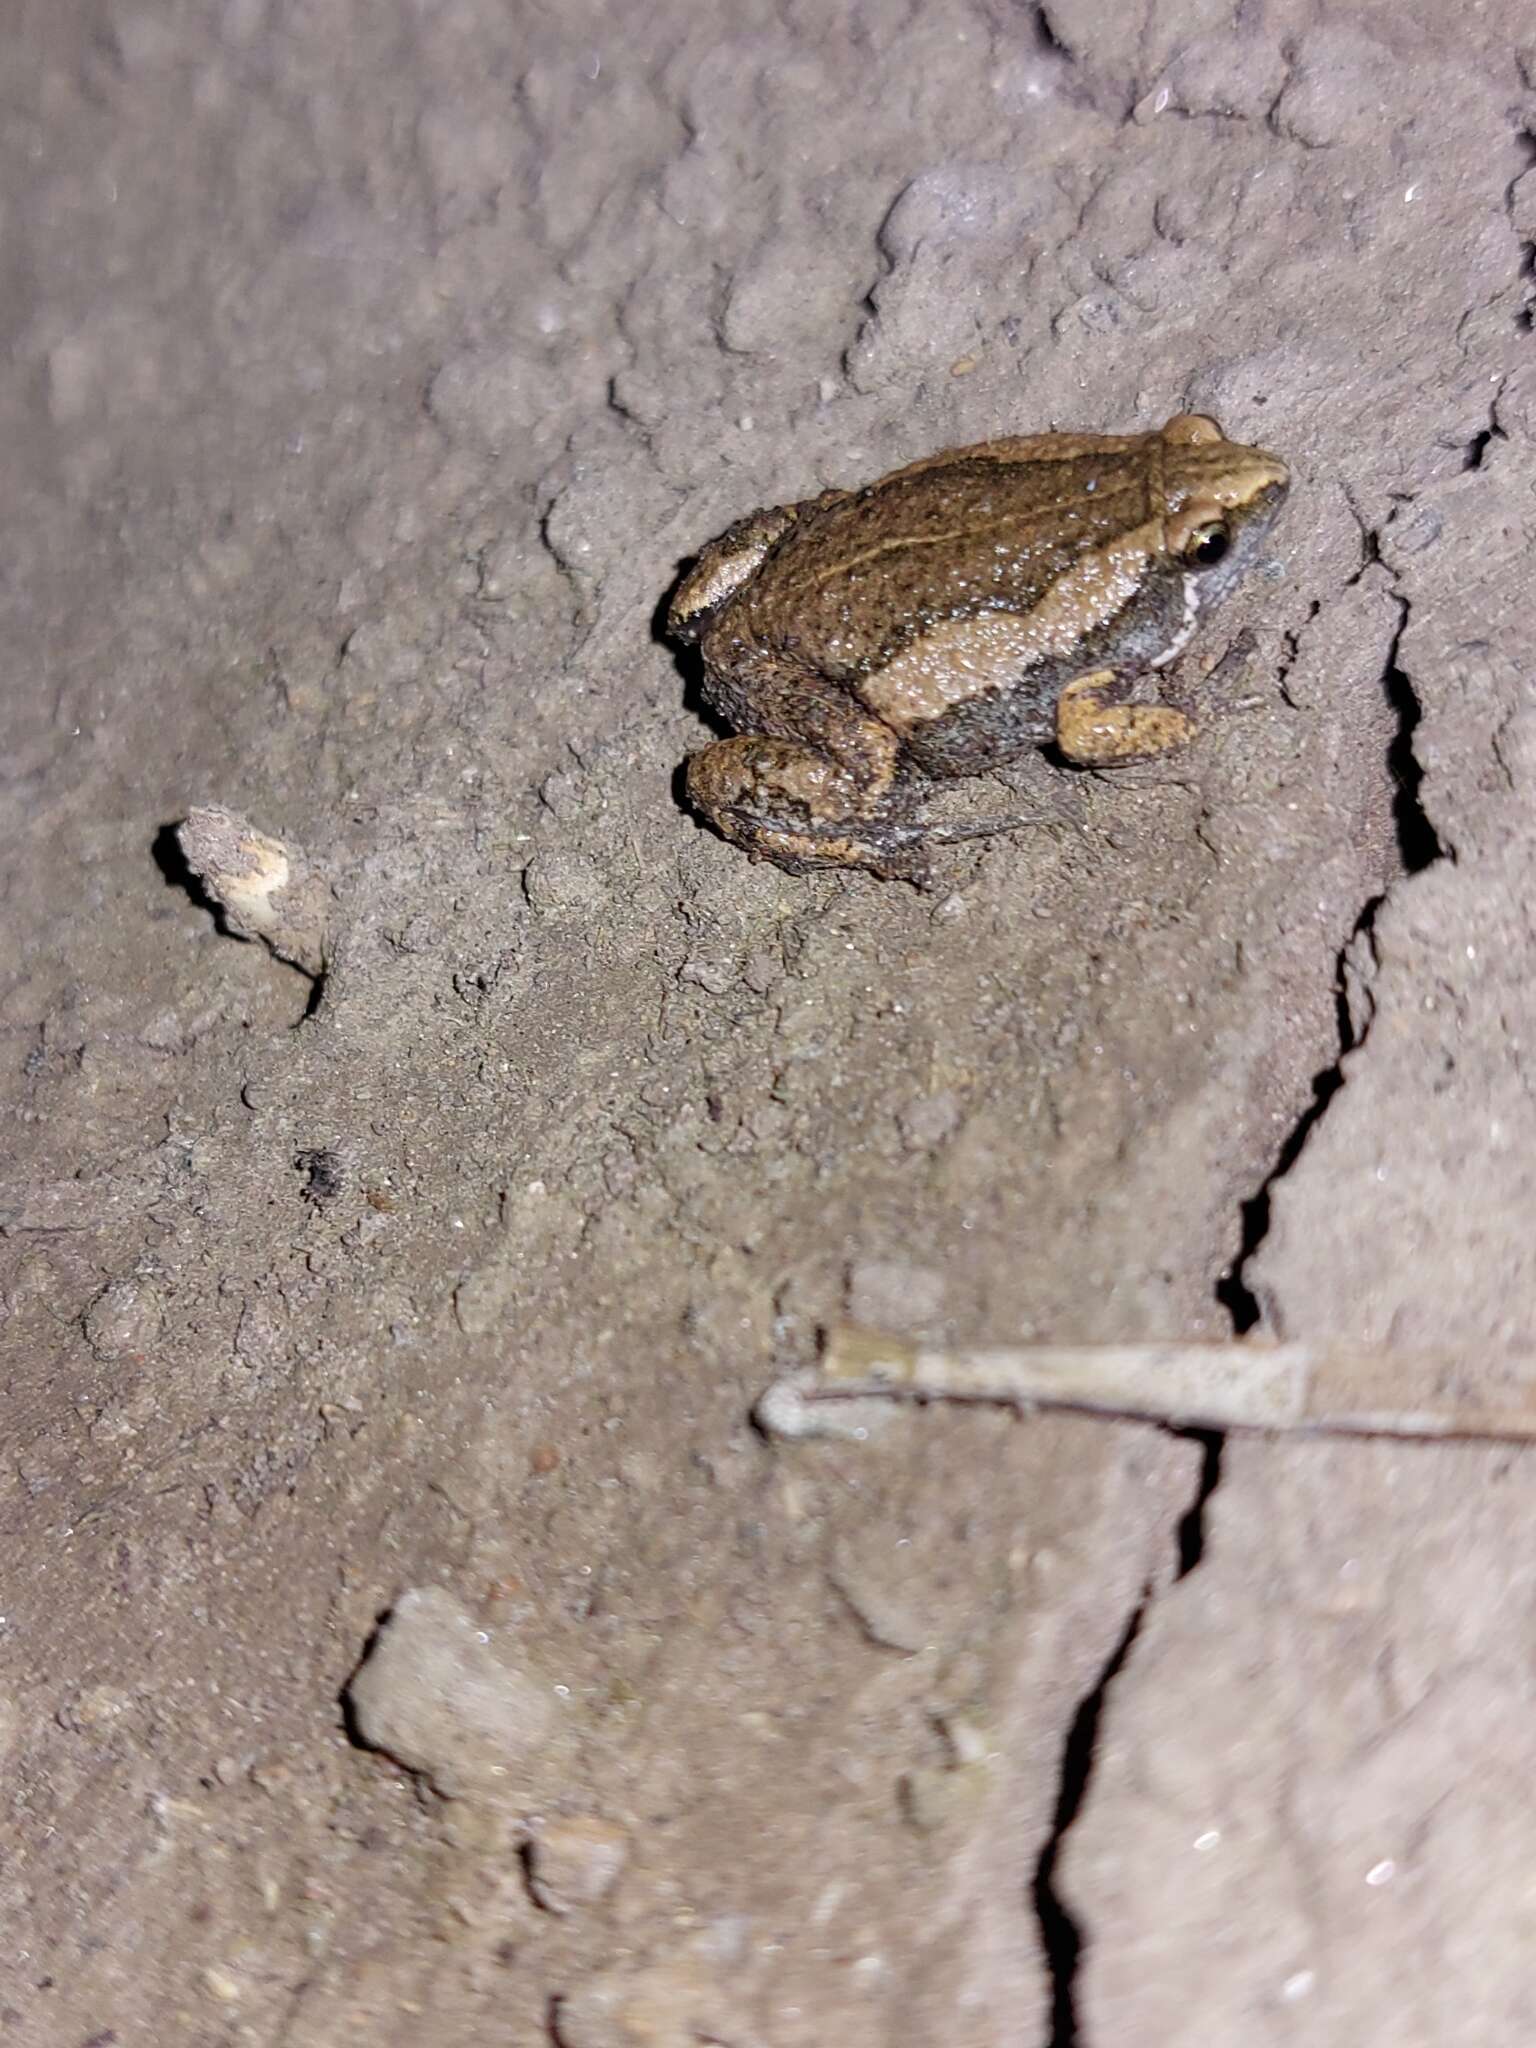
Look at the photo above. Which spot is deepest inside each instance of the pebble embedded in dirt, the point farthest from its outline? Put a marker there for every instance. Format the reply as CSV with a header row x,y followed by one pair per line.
x,y
878,1597
575,1862
933,1798
927,1122
660,2004
564,884
448,1699
266,890
125,1317
715,977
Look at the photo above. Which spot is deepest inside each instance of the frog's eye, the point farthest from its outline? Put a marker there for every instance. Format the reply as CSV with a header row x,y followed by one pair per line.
x,y
1207,545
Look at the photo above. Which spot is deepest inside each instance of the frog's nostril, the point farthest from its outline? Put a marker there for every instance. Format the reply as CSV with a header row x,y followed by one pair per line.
x,y
1268,501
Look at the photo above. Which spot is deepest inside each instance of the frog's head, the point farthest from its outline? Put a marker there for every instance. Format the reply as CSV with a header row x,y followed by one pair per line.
x,y
1220,500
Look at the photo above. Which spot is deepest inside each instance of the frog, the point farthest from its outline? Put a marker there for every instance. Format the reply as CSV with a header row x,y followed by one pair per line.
x,y
864,645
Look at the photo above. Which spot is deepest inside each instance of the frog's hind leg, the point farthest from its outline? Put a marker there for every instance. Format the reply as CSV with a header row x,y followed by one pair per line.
x,y
1098,729
823,789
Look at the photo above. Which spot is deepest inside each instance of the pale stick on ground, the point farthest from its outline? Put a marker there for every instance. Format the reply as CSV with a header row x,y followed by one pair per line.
x,y
1320,1389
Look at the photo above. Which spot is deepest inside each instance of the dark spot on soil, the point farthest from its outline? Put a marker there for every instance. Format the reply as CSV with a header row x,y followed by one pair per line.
x,y
324,1174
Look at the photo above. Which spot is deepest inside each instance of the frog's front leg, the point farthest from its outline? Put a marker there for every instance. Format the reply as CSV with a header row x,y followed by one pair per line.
x,y
832,800
1097,728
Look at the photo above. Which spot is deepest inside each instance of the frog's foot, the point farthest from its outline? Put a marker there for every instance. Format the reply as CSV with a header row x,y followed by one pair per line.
x,y
801,809
1097,731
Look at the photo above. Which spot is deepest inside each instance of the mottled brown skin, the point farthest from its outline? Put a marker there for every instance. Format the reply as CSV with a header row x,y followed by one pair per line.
x,y
950,616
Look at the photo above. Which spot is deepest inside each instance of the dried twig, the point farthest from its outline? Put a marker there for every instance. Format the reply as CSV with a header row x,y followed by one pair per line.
x,y
1325,1389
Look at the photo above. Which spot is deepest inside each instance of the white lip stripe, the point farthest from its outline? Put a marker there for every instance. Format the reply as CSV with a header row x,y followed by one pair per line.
x,y
1187,625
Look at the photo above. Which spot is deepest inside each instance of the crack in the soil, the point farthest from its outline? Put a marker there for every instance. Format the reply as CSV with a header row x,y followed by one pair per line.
x,y
1232,1289
1525,142
1475,453
1213,1443
1061,1935
1419,846
1418,842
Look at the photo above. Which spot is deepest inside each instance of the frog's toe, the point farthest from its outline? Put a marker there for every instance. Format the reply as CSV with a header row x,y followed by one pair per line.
x,y
803,852
1097,729
799,808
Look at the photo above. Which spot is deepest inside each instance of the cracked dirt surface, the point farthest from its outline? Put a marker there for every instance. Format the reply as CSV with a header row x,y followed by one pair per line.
x,y
1356,1640
369,372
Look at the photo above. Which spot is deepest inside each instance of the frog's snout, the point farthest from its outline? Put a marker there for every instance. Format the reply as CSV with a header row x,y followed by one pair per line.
x,y
1271,478
1273,494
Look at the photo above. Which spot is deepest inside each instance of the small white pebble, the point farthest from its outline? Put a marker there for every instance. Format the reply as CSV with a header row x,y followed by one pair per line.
x,y
1381,1873
575,1862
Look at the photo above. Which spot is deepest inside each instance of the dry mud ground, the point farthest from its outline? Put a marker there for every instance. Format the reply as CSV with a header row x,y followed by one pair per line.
x,y
369,369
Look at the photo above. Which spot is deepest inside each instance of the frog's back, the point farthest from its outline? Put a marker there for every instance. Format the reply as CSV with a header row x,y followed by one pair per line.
x,y
976,530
